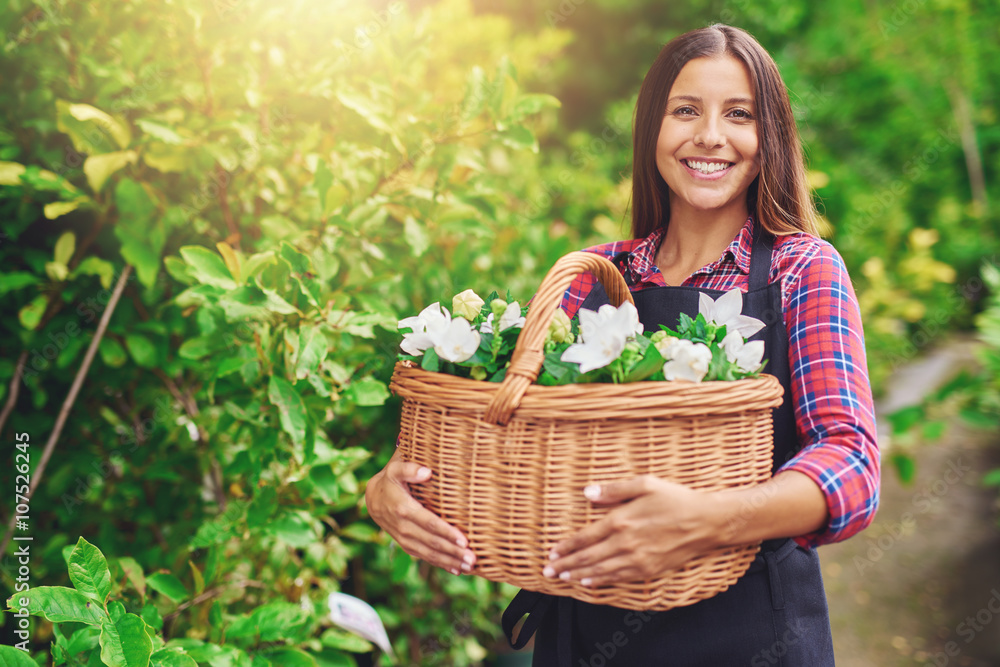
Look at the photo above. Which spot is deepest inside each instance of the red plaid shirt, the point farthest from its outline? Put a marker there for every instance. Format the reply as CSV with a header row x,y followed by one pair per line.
x,y
834,411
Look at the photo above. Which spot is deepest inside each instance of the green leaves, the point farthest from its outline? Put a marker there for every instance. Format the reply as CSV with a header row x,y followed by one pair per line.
x,y
275,621
59,605
99,168
368,392
88,570
312,351
207,267
168,585
91,130
171,657
139,229
291,409
125,642
15,657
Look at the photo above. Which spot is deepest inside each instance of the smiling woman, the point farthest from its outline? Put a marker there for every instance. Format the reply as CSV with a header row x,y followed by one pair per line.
x,y
720,203
721,220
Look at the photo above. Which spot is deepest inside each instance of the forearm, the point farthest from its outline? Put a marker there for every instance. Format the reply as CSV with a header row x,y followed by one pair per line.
x,y
787,505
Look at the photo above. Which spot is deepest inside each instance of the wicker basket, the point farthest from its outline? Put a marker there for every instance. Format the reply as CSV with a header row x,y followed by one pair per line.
x,y
511,459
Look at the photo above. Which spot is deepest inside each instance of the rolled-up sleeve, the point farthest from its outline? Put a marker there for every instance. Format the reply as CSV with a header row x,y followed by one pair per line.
x,y
834,411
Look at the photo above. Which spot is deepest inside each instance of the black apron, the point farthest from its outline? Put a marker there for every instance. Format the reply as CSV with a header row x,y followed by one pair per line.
x,y
776,614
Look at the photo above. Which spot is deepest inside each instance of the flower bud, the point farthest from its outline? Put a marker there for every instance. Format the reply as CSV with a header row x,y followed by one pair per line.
x,y
467,304
478,373
498,306
561,329
664,344
658,336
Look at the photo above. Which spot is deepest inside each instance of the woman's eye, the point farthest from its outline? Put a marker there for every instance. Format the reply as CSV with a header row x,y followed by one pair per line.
x,y
683,111
742,114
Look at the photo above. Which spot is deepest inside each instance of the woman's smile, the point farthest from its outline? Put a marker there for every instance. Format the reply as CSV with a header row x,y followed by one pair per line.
x,y
707,169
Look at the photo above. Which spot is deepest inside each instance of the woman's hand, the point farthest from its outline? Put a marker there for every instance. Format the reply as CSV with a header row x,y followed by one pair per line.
x,y
421,533
660,526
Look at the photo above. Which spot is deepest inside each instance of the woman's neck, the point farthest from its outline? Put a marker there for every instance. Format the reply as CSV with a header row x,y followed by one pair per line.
x,y
694,238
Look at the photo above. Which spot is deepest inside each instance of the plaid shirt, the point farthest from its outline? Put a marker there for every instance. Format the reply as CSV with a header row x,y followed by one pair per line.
x,y
834,412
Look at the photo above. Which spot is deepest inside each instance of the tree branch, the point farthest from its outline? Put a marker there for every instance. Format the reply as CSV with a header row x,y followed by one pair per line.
x,y
74,391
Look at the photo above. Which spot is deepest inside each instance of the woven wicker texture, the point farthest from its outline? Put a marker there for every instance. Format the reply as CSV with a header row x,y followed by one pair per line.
x,y
510,460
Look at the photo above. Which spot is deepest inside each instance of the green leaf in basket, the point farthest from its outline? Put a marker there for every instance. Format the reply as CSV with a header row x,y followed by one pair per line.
x,y
558,372
431,362
651,362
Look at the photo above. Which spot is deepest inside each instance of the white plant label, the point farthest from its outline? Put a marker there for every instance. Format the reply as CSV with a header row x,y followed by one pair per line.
x,y
359,617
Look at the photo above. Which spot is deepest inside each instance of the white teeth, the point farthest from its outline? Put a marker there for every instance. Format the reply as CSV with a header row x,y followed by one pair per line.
x,y
708,167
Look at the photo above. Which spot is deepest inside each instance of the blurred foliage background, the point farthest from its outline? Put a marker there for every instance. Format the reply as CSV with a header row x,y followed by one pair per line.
x,y
270,186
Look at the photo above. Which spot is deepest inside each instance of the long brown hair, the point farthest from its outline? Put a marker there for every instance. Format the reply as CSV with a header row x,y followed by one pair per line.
x,y
779,197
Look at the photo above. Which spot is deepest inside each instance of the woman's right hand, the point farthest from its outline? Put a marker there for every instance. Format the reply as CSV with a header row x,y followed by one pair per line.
x,y
420,532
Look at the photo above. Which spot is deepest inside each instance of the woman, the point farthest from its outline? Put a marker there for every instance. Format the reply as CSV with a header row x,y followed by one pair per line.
x,y
719,202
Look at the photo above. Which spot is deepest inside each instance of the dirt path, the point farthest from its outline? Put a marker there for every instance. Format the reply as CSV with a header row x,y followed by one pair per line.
x,y
922,585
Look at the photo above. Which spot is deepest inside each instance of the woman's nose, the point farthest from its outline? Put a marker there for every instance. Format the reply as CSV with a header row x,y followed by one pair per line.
x,y
709,133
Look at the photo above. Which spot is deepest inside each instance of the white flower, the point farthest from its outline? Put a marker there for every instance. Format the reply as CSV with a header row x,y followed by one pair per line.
x,y
624,317
664,344
746,356
725,311
426,326
511,316
687,361
732,344
487,325
604,334
466,304
456,342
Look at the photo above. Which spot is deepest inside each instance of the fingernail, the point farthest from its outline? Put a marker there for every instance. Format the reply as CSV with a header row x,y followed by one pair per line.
x,y
586,581
469,557
466,567
592,492
454,571
553,556
549,571
462,542
424,472
564,576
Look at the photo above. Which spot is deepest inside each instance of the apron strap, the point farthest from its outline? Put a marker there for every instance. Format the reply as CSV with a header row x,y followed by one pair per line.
x,y
532,603
760,257
537,606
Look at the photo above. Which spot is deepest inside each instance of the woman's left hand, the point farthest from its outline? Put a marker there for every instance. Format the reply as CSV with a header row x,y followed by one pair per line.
x,y
658,526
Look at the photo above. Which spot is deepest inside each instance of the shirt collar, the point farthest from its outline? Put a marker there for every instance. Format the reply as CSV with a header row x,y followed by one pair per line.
x,y
642,259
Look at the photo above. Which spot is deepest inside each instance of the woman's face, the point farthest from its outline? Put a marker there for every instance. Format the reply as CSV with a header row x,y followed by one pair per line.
x,y
707,149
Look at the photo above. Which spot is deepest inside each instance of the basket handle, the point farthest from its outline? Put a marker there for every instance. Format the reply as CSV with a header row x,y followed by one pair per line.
x,y
528,353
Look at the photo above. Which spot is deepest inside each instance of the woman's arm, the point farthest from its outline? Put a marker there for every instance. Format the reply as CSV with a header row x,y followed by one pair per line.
x,y
419,531
831,393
